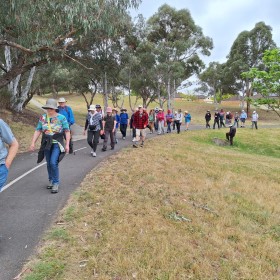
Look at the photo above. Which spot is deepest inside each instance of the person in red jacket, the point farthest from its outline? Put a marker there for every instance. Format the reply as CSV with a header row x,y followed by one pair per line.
x,y
160,118
140,122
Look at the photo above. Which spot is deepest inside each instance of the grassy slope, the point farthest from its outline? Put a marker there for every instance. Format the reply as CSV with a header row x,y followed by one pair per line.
x,y
126,224
197,109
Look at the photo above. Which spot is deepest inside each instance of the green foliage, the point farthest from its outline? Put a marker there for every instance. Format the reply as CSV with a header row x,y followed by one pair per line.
x,y
266,82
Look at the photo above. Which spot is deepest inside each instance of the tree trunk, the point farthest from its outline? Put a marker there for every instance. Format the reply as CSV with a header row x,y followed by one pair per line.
x,y
169,93
105,94
18,105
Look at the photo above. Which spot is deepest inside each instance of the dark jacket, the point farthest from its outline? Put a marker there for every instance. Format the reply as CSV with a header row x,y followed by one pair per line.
x,y
208,117
46,144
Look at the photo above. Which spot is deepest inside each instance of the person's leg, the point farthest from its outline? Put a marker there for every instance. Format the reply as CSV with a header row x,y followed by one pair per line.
x,y
256,125
124,130
115,136
48,158
95,140
231,140
113,140
54,156
134,133
143,136
138,133
227,136
159,127
105,140
3,175
89,138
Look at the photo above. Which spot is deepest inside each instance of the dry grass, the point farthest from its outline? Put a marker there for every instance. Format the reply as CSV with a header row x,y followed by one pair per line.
x,y
196,108
23,127
178,209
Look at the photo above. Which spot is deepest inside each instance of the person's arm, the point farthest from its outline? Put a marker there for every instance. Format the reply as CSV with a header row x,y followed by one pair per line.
x,y
35,137
13,148
71,116
103,127
115,123
86,126
67,136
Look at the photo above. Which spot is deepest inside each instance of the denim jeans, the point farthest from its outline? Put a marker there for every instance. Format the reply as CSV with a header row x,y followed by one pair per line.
x,y
168,126
52,156
3,175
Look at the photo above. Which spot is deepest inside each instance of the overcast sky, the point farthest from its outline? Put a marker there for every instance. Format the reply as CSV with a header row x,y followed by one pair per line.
x,y
222,20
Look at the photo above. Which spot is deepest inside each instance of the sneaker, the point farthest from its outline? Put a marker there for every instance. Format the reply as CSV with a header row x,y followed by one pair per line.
x,y
142,145
123,138
112,148
91,151
50,185
103,149
94,154
135,146
116,142
134,139
55,188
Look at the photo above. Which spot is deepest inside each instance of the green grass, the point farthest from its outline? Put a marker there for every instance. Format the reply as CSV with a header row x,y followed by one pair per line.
x,y
264,141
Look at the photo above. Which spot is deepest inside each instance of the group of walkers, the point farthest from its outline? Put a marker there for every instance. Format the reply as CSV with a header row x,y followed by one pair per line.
x,y
55,128
222,118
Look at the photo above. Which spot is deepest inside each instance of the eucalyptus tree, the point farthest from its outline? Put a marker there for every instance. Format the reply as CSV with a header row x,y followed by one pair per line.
x,y
179,42
246,52
267,82
34,35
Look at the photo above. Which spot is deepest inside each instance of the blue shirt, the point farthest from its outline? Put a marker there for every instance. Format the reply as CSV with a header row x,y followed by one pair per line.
x,y
68,113
124,118
6,137
118,119
188,118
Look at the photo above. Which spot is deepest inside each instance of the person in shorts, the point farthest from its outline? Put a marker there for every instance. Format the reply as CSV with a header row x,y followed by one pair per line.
x,y
140,122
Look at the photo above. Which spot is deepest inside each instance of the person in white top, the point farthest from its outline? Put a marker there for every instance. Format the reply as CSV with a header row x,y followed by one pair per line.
x,y
255,118
178,120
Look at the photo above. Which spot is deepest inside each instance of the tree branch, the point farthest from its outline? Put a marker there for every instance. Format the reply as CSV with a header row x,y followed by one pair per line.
x,y
14,45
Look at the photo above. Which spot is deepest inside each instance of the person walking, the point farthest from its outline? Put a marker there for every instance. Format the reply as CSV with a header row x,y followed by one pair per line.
x,y
140,122
236,119
216,119
93,127
67,111
117,117
7,155
222,118
174,120
124,119
152,120
231,134
53,126
188,118
179,120
255,118
156,120
109,125
132,126
208,118
160,119
169,118
243,117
